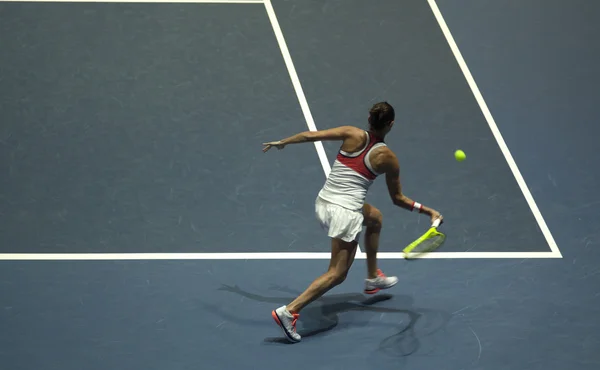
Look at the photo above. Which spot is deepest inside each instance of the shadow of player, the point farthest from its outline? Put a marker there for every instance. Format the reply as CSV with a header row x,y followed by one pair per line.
x,y
323,315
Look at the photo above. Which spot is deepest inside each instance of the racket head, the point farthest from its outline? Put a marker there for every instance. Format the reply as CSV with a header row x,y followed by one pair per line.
x,y
429,242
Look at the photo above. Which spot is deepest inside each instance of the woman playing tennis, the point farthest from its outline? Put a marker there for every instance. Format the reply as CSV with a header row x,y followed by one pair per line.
x,y
341,209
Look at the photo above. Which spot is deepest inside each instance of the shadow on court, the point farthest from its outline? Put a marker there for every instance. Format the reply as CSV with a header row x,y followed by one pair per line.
x,y
323,315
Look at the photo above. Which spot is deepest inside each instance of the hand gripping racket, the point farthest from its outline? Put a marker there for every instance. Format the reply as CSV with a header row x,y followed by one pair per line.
x,y
428,242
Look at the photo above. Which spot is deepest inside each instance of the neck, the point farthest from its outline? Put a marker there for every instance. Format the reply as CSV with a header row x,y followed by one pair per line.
x,y
377,133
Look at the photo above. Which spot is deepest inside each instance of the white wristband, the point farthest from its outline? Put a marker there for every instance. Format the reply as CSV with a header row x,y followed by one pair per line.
x,y
417,206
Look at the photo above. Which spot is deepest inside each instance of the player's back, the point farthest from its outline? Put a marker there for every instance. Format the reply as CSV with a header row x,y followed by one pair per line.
x,y
352,172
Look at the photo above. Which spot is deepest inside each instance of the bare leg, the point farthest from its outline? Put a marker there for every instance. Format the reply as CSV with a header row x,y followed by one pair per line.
x,y
342,255
373,222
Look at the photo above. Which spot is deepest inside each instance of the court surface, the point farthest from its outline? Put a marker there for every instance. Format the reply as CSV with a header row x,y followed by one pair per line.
x,y
143,228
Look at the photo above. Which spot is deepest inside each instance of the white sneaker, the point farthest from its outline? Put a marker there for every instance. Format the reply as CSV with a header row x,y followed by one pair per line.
x,y
287,321
372,286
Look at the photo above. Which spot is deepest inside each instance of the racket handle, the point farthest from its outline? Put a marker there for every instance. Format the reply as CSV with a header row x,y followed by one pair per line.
x,y
436,223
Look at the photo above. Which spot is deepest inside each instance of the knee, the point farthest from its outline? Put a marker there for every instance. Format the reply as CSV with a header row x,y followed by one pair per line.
x,y
375,219
337,276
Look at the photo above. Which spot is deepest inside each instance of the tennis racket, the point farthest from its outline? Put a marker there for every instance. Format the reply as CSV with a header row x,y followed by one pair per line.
x,y
428,242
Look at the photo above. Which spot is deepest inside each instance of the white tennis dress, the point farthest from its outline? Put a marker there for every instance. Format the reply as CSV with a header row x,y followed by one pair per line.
x,y
338,206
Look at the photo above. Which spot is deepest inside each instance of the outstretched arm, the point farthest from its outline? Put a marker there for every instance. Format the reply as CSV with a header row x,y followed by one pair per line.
x,y
392,172
337,133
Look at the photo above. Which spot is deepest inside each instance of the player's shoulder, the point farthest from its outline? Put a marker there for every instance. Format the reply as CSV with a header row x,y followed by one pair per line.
x,y
384,158
351,130
351,133
385,152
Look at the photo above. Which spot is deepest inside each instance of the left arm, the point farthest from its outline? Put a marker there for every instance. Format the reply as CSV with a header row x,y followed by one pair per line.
x,y
337,133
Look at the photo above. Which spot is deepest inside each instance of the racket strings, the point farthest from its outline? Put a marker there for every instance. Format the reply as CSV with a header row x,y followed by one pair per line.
x,y
429,244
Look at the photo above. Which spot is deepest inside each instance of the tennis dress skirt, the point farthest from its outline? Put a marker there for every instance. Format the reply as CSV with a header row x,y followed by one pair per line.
x,y
339,222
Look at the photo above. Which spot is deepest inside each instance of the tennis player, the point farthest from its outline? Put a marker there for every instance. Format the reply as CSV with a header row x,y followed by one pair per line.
x,y
341,210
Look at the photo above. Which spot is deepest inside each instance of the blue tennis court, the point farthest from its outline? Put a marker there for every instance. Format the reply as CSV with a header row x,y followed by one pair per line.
x,y
142,227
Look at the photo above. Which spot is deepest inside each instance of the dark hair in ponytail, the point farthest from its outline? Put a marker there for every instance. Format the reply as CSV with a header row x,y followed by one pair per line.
x,y
380,115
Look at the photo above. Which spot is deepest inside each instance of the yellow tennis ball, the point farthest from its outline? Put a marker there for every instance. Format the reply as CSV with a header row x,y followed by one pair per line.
x,y
460,155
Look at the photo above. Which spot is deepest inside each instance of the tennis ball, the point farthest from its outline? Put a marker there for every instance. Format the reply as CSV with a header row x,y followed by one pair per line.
x,y
460,155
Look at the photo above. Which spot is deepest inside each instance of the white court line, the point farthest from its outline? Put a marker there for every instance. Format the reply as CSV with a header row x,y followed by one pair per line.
x,y
299,92
140,1
490,120
255,256
482,255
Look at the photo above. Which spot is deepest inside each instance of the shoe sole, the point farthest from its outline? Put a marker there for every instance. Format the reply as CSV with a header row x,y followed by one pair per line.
x,y
278,321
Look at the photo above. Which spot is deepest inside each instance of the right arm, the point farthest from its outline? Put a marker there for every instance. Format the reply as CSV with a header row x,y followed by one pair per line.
x,y
391,167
